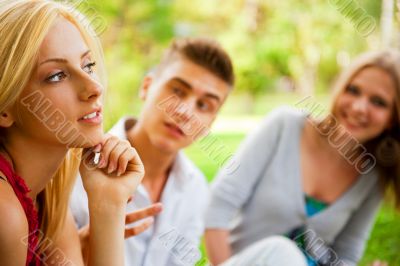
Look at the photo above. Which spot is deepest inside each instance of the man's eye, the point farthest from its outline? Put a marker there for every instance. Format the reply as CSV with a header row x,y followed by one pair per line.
x,y
178,91
56,77
89,68
203,106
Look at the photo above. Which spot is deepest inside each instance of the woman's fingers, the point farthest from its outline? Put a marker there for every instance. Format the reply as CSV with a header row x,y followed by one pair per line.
x,y
117,155
88,153
129,154
114,159
135,164
124,158
135,216
108,145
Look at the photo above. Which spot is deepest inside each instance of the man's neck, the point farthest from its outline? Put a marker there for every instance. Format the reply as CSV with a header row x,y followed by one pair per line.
x,y
157,163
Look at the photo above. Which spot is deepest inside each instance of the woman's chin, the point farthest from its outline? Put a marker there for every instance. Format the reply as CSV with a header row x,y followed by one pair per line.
x,y
88,140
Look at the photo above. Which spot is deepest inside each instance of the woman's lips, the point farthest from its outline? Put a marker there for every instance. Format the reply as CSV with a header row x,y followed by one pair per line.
x,y
353,124
92,118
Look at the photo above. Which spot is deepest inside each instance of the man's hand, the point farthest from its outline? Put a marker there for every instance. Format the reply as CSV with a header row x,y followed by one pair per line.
x,y
379,263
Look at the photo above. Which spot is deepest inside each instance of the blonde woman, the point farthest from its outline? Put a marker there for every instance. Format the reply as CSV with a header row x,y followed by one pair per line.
x,y
316,180
51,87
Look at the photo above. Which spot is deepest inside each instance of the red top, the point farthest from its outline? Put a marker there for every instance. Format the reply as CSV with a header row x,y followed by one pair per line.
x,y
21,191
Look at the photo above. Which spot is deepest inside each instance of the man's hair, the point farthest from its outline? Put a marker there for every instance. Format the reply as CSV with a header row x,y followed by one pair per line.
x,y
204,52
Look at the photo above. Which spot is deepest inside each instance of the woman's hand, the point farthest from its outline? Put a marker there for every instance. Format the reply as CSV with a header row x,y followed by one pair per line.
x,y
117,175
109,184
132,217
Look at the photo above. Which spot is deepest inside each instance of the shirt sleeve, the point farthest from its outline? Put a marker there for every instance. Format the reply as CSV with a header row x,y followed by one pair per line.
x,y
350,243
236,181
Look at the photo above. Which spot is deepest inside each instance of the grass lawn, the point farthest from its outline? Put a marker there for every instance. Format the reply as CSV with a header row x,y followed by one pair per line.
x,y
384,242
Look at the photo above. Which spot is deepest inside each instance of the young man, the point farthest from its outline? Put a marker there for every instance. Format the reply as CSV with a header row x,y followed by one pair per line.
x,y
182,97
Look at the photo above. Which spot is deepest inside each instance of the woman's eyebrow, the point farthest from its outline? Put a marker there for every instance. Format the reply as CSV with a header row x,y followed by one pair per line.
x,y
62,60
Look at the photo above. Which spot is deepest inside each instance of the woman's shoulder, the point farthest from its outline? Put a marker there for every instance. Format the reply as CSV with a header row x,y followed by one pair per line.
x,y
13,228
284,117
287,112
14,220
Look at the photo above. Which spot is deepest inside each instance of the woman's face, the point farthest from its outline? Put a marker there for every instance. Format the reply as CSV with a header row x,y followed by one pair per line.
x,y
366,106
62,103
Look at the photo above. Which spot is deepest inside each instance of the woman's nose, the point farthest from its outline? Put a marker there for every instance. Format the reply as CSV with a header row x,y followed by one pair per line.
x,y
360,105
91,89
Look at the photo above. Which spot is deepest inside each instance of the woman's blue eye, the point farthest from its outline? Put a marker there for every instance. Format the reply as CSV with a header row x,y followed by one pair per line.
x,y
378,102
352,89
89,68
56,77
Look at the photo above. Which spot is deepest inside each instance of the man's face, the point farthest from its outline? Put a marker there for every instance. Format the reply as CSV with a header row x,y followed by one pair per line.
x,y
181,102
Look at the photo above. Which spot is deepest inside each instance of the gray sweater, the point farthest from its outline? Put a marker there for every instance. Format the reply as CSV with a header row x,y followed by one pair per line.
x,y
264,195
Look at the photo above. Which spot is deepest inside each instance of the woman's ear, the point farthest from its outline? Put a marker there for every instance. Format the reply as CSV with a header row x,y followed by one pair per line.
x,y
144,89
6,119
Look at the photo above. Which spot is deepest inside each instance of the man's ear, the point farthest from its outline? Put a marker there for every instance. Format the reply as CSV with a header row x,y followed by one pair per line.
x,y
144,88
6,119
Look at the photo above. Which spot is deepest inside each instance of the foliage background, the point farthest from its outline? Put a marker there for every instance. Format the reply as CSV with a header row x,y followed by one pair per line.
x,y
282,51
276,45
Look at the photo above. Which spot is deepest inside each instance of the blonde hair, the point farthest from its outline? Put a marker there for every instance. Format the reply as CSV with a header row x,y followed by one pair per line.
x,y
388,61
23,26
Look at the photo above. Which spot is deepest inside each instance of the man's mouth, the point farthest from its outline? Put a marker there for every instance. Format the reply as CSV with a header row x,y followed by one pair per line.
x,y
175,129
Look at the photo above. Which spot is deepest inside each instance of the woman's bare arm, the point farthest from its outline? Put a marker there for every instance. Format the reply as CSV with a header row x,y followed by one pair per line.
x,y
109,186
13,228
217,245
66,249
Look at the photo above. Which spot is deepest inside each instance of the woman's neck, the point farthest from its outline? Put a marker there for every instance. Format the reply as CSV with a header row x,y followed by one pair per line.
x,y
322,143
36,163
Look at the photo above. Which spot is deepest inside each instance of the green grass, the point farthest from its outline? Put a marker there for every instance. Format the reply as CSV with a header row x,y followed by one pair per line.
x,y
384,243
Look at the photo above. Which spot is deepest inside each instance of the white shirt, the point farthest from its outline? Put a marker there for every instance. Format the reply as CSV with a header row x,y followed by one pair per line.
x,y
174,237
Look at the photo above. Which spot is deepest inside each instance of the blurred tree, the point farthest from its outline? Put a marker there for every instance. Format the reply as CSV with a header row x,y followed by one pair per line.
x,y
269,41
397,26
387,23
